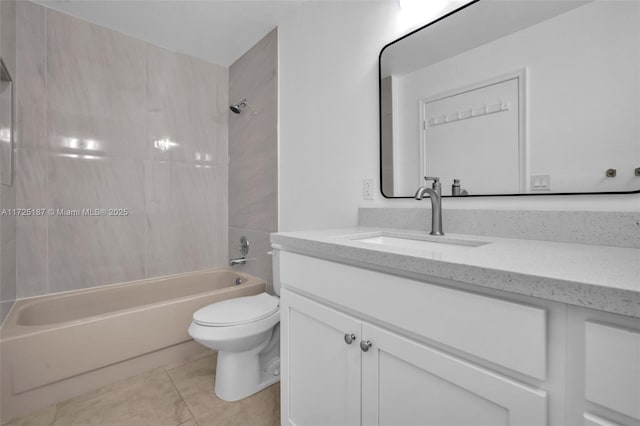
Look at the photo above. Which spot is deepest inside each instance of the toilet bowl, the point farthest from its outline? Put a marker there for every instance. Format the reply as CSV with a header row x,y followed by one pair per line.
x,y
246,333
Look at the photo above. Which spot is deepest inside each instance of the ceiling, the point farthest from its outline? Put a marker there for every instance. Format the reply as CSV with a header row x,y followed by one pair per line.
x,y
218,31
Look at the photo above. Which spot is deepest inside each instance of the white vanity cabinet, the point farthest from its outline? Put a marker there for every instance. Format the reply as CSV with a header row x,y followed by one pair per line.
x,y
603,368
338,370
320,371
408,383
351,369
513,332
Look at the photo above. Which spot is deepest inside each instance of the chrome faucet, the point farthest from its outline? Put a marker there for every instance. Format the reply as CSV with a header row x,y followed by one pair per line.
x,y
238,261
436,205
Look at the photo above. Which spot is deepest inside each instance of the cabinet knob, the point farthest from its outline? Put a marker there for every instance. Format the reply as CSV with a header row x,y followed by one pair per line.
x,y
365,345
349,338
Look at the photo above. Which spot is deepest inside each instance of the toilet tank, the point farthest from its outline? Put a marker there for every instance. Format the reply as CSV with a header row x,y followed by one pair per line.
x,y
275,258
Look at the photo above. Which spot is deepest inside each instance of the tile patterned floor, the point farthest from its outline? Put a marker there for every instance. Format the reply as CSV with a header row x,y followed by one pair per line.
x,y
178,394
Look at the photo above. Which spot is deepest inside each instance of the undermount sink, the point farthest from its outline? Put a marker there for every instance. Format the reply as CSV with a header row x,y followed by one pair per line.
x,y
426,242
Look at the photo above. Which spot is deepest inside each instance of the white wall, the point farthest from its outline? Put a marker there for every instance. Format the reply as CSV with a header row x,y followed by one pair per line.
x,y
328,114
328,120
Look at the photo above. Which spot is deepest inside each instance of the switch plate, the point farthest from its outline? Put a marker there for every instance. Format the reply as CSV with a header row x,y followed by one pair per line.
x,y
541,182
367,189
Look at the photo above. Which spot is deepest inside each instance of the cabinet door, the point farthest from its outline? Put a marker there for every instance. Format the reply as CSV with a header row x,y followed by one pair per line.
x,y
407,383
603,368
320,370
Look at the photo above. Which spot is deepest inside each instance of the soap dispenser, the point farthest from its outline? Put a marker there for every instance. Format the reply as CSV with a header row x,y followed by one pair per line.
x,y
455,188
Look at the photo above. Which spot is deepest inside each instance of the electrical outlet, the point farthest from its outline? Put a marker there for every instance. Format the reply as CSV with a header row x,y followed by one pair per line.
x,y
367,189
541,182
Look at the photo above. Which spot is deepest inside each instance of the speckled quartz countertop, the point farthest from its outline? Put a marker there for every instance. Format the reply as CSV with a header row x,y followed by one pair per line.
x,y
597,277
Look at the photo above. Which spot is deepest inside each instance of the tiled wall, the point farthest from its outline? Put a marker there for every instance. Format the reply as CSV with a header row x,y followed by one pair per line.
x,y
92,104
7,193
253,173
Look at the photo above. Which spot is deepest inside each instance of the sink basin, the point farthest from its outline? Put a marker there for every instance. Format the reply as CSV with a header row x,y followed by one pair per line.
x,y
416,242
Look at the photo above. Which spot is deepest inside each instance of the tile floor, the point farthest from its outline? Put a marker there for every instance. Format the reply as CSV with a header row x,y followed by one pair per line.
x,y
177,394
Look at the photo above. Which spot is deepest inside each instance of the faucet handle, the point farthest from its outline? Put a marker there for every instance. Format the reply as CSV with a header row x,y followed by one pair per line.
x,y
436,183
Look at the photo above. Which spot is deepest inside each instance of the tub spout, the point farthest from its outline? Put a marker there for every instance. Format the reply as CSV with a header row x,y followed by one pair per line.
x,y
238,261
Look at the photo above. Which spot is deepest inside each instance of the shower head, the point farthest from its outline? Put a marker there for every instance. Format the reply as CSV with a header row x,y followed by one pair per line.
x,y
237,108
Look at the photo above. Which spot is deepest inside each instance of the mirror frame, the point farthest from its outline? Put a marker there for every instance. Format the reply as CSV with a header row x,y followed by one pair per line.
x,y
472,2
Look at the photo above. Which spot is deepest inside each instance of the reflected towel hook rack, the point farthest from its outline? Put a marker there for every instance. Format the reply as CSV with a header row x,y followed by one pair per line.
x,y
469,113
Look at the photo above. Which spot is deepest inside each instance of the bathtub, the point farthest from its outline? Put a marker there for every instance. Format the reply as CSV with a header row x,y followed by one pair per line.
x,y
56,346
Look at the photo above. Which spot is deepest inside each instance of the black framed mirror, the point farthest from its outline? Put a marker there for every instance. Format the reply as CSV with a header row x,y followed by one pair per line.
x,y
518,97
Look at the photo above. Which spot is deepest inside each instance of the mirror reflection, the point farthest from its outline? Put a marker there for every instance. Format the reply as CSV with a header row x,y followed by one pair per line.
x,y
518,97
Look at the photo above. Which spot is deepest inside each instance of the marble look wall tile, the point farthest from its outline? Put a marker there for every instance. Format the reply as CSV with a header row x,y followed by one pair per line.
x,y
222,117
257,68
198,128
253,169
183,106
221,212
31,117
186,185
77,183
253,138
31,256
90,251
31,240
31,178
7,245
8,37
260,262
187,220
92,101
617,229
7,194
173,242
95,89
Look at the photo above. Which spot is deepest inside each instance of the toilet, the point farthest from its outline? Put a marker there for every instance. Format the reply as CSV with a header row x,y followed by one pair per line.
x,y
246,333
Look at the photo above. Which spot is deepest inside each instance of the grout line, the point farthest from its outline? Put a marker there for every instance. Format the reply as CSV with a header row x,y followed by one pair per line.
x,y
181,396
191,359
47,281
55,415
148,163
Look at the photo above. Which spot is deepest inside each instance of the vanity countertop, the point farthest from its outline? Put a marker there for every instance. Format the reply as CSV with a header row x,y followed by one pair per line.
x,y
597,277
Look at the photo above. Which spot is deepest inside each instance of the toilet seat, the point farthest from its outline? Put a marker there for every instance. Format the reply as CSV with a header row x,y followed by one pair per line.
x,y
238,311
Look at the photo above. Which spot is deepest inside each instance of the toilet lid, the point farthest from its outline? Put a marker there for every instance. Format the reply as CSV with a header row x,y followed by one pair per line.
x,y
240,310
